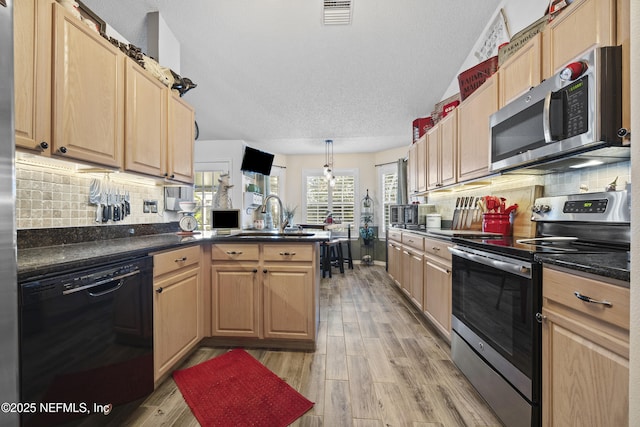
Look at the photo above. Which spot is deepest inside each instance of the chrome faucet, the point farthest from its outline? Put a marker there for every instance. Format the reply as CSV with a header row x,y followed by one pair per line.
x,y
283,220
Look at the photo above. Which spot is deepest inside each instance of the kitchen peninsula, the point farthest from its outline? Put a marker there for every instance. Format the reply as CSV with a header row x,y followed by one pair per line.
x,y
249,289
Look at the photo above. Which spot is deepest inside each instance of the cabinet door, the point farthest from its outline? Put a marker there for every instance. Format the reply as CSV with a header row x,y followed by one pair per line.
x,y
583,24
473,130
416,277
145,122
448,148
405,282
176,299
288,302
235,300
180,139
584,382
522,71
88,93
421,164
438,295
433,157
395,262
412,169
32,74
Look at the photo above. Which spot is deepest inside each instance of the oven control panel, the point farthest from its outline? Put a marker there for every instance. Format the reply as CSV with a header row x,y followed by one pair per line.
x,y
585,206
610,206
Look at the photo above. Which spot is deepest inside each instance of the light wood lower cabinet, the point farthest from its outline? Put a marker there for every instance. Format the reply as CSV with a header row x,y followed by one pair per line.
x,y
585,360
177,310
265,291
421,267
437,287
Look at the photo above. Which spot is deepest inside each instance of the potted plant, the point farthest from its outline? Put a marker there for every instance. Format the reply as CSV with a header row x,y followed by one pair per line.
x,y
289,213
367,234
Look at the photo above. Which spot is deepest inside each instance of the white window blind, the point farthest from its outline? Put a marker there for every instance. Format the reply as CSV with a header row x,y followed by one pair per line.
x,y
389,184
321,198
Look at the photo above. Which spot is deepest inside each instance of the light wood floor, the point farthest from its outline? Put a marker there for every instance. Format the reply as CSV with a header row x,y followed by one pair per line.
x,y
377,363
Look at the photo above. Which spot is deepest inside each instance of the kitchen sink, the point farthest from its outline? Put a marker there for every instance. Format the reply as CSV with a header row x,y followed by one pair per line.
x,y
275,234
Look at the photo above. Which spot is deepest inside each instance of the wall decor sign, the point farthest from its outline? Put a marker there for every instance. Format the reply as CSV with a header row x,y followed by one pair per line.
x,y
497,34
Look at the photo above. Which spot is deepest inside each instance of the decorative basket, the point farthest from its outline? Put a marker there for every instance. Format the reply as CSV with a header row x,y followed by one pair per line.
x,y
472,79
421,126
520,39
444,107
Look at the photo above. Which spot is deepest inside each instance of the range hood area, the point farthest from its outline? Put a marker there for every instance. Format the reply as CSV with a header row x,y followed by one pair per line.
x,y
574,162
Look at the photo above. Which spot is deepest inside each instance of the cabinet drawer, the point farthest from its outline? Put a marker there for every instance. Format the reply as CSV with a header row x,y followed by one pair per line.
x,y
437,248
395,235
559,287
235,252
175,260
288,252
414,241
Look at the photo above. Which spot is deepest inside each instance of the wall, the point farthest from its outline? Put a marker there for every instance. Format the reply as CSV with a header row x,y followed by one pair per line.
x,y
519,15
49,197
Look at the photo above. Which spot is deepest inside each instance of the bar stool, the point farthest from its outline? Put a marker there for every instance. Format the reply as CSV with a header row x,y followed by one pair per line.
x,y
331,256
348,259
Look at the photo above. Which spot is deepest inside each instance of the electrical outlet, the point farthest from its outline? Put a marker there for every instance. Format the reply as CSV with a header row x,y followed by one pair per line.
x,y
150,206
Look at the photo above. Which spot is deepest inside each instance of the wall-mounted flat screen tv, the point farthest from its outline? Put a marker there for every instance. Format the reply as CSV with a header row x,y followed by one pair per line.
x,y
256,161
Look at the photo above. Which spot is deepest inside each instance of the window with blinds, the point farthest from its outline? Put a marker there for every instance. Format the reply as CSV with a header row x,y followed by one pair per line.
x,y
389,183
321,198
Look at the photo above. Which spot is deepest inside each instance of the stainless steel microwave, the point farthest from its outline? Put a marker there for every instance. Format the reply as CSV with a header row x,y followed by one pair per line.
x,y
573,112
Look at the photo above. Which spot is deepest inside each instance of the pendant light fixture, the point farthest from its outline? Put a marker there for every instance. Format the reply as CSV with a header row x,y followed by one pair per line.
x,y
328,162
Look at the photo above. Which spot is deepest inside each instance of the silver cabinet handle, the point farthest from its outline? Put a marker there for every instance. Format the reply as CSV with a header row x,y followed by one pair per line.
x,y
591,300
234,252
287,253
435,248
183,259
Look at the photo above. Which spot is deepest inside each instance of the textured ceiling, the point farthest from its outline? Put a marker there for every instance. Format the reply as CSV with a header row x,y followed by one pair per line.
x,y
269,73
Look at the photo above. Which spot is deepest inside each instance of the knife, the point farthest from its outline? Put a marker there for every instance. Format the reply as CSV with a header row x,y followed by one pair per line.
x,y
465,213
473,210
456,215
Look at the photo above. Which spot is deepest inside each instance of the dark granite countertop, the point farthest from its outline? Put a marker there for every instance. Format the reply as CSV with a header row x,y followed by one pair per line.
x,y
37,262
614,265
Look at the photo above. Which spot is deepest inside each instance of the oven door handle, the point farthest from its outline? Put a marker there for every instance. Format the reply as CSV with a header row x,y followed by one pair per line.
x,y
518,269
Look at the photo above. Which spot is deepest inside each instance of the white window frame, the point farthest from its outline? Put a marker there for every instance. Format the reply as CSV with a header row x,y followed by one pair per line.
x,y
383,170
337,172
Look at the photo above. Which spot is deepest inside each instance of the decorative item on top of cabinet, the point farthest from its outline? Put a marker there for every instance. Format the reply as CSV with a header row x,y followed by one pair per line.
x,y
32,74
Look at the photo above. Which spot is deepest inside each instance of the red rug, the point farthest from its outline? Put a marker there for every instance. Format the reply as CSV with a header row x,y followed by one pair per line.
x,y
234,389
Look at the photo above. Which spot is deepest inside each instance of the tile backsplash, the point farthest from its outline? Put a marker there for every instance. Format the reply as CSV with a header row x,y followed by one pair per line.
x,y
47,197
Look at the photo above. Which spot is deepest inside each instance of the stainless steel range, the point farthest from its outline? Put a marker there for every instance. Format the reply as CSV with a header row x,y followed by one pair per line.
x,y
497,291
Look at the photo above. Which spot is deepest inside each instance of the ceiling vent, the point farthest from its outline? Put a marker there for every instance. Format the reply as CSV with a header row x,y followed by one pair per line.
x,y
337,12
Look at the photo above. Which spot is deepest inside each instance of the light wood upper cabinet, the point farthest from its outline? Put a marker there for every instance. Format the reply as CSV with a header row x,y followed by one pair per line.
x,y
474,132
32,74
417,166
442,142
585,361
181,127
145,122
521,72
583,24
88,94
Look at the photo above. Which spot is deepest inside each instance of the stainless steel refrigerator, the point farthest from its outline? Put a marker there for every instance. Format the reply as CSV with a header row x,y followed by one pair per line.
x,y
8,252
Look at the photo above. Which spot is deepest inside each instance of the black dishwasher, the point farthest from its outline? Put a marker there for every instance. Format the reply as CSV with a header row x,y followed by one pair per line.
x,y
86,344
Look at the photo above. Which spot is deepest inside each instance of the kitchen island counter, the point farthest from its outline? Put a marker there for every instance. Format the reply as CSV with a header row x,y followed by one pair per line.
x,y
37,262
